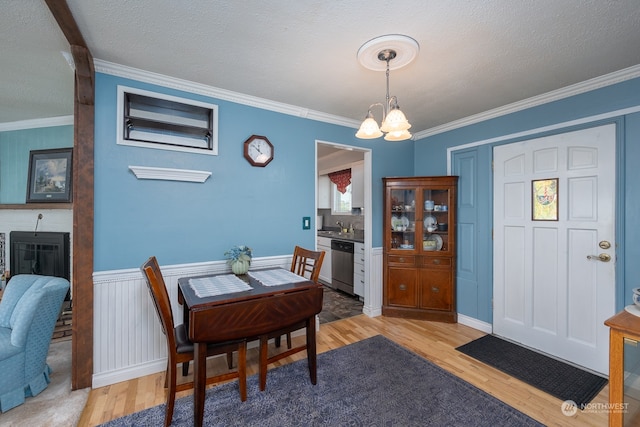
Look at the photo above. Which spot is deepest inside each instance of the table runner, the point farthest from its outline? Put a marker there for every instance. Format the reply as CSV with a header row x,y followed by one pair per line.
x,y
218,285
276,277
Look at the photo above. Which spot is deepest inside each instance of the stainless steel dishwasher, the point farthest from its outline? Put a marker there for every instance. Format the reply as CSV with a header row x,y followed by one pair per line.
x,y
342,266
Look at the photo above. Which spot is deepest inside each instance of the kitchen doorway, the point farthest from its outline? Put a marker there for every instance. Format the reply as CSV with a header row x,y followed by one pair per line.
x,y
331,157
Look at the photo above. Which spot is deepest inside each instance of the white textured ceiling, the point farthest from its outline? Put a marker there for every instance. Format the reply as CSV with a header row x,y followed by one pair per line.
x,y
474,55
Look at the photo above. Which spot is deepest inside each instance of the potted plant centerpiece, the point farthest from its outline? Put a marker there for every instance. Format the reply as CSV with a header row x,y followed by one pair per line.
x,y
239,258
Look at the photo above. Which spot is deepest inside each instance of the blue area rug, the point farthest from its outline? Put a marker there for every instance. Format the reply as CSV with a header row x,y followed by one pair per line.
x,y
374,382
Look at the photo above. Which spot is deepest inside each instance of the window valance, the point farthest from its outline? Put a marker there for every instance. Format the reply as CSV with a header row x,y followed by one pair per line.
x,y
341,179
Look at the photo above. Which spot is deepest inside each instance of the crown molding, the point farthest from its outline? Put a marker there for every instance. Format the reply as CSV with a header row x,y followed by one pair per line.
x,y
145,172
37,123
218,93
292,110
556,95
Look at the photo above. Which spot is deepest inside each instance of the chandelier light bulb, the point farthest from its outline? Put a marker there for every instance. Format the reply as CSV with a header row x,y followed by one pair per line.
x,y
369,129
397,135
395,121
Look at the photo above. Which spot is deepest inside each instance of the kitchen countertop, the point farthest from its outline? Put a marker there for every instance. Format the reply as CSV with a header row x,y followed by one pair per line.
x,y
357,236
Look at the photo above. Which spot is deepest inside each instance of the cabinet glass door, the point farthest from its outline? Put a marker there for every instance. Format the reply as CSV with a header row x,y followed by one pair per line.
x,y
631,409
435,233
403,219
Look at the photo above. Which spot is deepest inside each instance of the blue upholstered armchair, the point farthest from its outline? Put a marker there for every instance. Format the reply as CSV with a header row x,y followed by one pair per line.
x,y
29,309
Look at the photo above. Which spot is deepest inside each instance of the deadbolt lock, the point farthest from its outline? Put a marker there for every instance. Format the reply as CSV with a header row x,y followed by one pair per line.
x,y
604,244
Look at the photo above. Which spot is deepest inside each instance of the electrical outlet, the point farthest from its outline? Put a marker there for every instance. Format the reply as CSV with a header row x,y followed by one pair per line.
x,y
306,222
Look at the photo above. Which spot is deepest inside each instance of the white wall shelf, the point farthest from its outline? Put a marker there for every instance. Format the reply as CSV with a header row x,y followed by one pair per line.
x,y
167,174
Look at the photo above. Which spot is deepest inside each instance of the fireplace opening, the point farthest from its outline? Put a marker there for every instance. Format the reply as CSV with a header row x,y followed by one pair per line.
x,y
43,252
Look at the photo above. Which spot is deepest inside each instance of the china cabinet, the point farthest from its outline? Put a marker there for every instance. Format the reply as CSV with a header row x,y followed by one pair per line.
x,y
419,239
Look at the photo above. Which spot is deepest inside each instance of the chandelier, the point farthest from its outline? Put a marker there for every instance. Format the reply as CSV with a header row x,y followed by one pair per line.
x,y
403,49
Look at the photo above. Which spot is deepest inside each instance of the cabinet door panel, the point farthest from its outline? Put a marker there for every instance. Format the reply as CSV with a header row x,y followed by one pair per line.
x,y
435,289
324,244
402,290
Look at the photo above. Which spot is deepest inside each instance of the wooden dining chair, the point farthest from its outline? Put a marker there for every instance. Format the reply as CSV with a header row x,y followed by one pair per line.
x,y
306,263
180,348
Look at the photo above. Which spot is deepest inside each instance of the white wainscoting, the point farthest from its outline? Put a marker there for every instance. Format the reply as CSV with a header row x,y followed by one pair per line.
x,y
373,292
128,341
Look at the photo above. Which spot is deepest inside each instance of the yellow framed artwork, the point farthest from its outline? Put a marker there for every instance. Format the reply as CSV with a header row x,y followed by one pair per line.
x,y
544,203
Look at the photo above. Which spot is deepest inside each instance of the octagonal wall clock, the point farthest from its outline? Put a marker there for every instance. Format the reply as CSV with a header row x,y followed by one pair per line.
x,y
258,150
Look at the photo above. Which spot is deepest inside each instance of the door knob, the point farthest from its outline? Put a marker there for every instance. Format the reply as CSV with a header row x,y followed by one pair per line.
x,y
601,257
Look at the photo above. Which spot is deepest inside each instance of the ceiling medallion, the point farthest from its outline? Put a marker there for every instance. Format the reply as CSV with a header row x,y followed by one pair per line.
x,y
406,49
388,52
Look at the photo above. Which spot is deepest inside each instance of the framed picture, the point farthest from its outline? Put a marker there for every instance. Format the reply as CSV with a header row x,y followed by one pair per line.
x,y
49,176
544,203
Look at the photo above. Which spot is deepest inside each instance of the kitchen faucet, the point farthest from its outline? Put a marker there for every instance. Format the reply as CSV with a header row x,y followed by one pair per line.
x,y
340,224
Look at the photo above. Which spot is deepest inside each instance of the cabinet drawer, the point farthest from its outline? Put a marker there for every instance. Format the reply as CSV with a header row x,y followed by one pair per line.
x,y
436,262
323,241
358,284
404,260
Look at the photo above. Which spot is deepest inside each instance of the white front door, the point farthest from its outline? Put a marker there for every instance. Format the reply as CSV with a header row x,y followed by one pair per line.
x,y
551,290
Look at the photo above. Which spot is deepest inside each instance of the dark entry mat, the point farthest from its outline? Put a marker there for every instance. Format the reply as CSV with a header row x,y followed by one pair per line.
x,y
564,381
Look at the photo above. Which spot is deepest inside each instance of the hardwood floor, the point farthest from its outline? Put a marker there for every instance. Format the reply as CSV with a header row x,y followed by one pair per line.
x,y
434,341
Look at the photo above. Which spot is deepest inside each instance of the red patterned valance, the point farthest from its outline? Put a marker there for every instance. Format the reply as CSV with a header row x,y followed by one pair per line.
x,y
341,179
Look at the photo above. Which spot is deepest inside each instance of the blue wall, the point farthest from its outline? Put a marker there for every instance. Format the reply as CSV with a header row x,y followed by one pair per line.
x,y
184,222
14,157
430,158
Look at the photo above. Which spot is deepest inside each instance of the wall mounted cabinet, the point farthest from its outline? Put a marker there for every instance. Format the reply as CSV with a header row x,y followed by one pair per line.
x,y
324,192
357,185
419,239
155,120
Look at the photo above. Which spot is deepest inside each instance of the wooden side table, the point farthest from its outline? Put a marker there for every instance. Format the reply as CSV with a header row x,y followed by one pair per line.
x,y
624,332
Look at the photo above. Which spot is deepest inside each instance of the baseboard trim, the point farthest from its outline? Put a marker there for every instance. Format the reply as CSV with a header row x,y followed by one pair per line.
x,y
128,373
372,311
475,323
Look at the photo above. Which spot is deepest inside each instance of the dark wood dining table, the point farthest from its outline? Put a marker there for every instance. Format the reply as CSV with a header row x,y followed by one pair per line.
x,y
246,314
